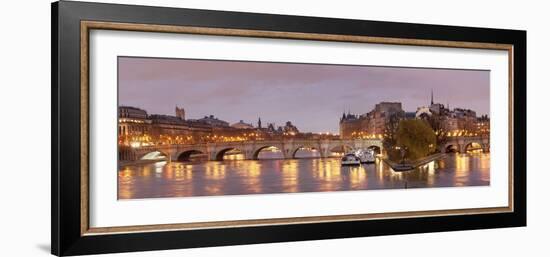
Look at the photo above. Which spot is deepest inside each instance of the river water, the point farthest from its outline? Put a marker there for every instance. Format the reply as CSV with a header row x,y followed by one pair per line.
x,y
239,177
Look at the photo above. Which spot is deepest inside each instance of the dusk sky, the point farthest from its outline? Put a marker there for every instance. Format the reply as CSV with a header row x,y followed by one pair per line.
x,y
311,96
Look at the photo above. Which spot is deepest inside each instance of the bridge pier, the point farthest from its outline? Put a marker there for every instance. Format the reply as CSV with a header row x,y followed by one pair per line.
x,y
461,148
249,154
212,156
324,152
485,147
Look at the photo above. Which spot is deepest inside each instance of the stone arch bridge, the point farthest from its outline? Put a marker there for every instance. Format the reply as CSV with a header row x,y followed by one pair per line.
x,y
461,144
250,149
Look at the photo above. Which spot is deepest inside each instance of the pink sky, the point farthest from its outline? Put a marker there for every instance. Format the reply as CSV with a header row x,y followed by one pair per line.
x,y
312,96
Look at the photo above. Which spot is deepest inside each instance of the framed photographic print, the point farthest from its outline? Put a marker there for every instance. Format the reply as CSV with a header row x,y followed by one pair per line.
x,y
178,128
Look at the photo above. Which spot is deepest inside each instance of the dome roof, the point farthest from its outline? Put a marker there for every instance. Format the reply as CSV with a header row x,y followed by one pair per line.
x,y
242,124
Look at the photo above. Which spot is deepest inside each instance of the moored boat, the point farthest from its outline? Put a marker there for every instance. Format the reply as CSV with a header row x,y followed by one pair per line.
x,y
365,156
350,159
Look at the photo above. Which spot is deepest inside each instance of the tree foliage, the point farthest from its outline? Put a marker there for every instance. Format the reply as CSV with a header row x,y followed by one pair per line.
x,y
437,124
417,137
390,140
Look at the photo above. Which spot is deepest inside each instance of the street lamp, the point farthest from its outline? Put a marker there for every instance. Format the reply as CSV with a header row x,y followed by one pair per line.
x,y
403,151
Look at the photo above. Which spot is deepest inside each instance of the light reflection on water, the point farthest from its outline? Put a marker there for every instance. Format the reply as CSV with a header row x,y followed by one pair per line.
x,y
238,177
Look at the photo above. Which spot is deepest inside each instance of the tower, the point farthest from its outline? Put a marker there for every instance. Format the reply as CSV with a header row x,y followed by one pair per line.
x,y
259,122
180,113
432,102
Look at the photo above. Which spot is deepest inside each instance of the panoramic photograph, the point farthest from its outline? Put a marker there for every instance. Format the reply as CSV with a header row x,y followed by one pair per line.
x,y
189,128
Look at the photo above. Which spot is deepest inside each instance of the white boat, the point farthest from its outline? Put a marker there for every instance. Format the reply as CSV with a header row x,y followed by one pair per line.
x,y
365,156
350,159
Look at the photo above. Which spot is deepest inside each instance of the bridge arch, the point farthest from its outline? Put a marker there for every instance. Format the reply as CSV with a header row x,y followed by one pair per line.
x,y
219,154
343,146
474,145
153,155
185,156
334,149
451,148
376,148
305,147
256,152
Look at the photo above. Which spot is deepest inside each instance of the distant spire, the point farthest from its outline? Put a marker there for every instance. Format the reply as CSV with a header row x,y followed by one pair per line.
x,y
259,122
432,96
180,112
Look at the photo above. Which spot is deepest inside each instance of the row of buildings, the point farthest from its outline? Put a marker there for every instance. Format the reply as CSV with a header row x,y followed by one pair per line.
x,y
137,127
455,122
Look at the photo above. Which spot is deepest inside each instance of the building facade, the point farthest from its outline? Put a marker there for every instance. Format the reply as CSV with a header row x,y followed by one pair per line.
x,y
132,124
455,122
371,124
137,128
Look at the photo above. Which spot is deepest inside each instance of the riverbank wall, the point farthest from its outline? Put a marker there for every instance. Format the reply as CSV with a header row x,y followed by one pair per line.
x,y
412,165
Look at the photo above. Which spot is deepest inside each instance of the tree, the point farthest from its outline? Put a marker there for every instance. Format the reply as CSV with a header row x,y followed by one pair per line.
x,y
390,132
417,137
438,126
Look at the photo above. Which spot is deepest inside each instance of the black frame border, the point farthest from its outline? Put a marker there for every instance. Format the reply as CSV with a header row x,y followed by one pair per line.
x,y
66,238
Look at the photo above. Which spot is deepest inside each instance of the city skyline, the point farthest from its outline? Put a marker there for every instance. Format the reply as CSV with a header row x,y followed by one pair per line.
x,y
311,96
